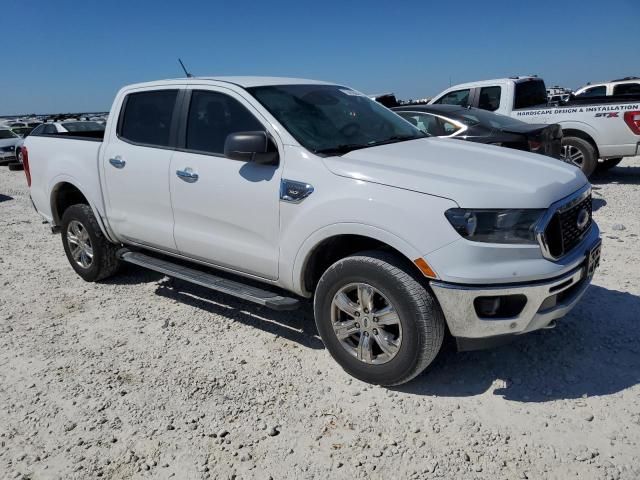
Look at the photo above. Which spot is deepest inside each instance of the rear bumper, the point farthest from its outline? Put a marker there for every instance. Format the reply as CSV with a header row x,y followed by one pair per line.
x,y
546,300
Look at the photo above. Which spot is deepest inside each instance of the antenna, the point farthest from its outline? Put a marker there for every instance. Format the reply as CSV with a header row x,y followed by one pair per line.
x,y
185,70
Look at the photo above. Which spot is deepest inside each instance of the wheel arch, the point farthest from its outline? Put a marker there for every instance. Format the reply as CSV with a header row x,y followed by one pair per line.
x,y
572,130
66,193
330,244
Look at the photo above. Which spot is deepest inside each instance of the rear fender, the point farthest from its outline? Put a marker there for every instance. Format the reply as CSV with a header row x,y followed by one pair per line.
x,y
56,221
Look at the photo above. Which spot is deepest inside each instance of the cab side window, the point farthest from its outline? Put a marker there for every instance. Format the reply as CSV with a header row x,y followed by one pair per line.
x,y
212,117
626,88
489,98
594,92
459,97
146,118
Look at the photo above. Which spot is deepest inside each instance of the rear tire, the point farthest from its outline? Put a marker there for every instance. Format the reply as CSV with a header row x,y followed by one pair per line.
x,y
91,255
608,163
403,327
580,153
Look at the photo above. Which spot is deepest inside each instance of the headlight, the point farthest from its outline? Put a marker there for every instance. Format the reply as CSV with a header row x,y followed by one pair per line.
x,y
495,226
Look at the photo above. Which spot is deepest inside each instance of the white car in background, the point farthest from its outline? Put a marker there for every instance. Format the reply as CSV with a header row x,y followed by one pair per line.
x,y
8,143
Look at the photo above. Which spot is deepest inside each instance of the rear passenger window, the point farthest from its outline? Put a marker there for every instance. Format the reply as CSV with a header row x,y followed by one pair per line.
x,y
489,98
147,117
212,117
459,97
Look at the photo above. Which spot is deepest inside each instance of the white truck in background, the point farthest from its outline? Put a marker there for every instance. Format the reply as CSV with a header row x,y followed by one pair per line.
x,y
291,188
606,128
621,87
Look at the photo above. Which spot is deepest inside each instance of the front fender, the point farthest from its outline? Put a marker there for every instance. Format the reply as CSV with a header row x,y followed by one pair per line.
x,y
317,237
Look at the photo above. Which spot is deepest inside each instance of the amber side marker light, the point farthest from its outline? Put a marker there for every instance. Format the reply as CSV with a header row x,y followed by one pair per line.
x,y
424,267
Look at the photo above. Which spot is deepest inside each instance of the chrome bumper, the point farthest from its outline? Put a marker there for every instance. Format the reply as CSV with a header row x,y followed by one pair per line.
x,y
546,301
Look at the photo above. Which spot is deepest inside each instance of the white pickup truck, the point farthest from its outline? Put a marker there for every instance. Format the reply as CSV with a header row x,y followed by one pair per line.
x,y
606,128
290,188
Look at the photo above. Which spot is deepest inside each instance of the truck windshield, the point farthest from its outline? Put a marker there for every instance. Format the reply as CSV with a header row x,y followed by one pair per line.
x,y
329,119
530,93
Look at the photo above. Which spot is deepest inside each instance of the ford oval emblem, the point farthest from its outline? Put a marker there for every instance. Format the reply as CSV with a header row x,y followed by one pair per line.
x,y
583,219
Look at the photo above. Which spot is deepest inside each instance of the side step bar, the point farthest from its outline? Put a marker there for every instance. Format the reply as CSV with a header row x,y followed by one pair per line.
x,y
230,287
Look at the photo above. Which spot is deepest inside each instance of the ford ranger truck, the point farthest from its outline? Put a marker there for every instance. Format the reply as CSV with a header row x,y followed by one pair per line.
x,y
605,128
276,189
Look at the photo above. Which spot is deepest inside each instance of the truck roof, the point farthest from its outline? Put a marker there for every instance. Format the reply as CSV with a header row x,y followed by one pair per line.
x,y
242,81
495,81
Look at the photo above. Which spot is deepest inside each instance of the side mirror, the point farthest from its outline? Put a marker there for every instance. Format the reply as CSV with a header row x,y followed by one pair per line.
x,y
254,147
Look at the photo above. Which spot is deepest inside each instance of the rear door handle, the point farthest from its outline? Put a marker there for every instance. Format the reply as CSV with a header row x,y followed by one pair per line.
x,y
187,175
117,162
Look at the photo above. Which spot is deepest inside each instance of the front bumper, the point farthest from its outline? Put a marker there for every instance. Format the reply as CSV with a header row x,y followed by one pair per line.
x,y
7,157
546,300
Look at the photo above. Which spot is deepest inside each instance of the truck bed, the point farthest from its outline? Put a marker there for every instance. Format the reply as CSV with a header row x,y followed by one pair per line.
x,y
92,136
58,158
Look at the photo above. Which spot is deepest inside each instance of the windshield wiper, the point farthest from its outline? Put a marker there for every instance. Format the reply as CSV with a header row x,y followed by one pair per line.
x,y
342,149
349,147
397,138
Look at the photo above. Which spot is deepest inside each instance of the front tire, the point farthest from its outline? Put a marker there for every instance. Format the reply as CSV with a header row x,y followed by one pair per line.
x,y
377,321
580,153
91,255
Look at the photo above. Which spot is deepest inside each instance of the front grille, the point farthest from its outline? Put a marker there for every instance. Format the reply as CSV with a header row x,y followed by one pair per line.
x,y
565,229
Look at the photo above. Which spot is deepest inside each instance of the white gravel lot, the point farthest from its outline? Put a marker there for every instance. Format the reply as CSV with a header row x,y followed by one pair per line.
x,y
141,377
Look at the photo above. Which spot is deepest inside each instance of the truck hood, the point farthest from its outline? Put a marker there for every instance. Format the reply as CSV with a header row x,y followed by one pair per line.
x,y
470,174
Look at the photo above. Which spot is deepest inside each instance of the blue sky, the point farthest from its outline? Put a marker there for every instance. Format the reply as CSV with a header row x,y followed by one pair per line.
x,y
74,55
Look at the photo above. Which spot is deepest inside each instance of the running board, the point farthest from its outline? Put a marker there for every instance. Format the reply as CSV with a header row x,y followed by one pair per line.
x,y
230,287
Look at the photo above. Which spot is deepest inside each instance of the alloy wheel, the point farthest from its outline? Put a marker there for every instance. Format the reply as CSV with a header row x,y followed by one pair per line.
x,y
366,323
573,155
79,244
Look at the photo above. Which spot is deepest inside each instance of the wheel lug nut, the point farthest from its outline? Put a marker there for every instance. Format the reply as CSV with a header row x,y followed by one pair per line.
x,y
375,319
366,310
357,325
375,331
357,314
366,334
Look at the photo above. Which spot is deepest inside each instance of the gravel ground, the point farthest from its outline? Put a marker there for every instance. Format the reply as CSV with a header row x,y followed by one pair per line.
x,y
142,377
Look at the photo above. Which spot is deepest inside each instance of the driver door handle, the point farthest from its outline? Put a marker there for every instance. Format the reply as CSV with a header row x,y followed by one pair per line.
x,y
117,162
187,175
